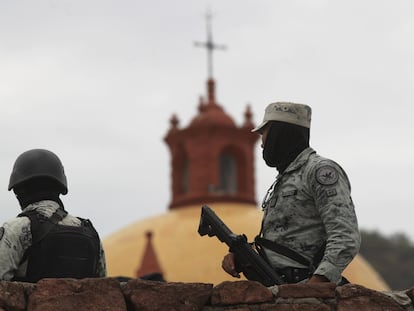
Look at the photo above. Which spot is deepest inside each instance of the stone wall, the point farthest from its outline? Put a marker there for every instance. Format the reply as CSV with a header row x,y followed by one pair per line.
x,y
140,295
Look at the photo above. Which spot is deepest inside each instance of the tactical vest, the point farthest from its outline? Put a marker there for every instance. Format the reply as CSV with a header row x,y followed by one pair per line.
x,y
60,251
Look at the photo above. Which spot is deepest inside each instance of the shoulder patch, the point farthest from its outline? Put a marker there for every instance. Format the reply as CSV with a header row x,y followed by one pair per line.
x,y
327,175
1,232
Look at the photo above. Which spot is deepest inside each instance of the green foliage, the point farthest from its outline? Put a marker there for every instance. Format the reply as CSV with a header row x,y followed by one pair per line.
x,y
392,257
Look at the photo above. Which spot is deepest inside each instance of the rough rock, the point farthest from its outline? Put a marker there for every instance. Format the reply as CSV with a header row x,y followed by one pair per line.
x,y
240,292
94,294
12,296
158,296
359,298
316,290
296,307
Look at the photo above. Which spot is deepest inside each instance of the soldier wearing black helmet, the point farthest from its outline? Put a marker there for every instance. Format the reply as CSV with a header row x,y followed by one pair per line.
x,y
44,240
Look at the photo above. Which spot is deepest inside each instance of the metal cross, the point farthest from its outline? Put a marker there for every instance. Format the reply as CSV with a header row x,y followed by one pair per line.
x,y
210,46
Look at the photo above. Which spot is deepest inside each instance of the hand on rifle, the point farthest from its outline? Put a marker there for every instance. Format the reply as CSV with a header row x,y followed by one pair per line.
x,y
229,265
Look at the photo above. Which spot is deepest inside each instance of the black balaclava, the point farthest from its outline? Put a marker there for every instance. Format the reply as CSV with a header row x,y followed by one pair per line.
x,y
37,189
284,142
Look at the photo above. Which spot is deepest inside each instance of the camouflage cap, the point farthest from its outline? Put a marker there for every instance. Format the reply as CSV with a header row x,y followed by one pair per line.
x,y
298,114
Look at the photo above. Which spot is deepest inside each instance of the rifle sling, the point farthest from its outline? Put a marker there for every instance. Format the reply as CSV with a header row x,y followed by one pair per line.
x,y
282,250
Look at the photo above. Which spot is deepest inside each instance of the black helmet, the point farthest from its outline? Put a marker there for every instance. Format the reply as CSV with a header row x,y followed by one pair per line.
x,y
38,163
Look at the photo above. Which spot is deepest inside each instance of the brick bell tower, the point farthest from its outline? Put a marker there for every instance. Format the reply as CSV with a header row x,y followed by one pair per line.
x,y
212,160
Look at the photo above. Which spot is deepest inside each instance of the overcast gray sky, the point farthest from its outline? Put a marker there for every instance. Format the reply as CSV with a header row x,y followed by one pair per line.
x,y
97,82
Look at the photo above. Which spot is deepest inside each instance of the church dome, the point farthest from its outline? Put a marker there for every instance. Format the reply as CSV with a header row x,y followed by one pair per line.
x,y
184,256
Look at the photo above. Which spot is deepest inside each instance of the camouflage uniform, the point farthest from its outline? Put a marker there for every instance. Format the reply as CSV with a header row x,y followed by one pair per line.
x,y
16,238
308,205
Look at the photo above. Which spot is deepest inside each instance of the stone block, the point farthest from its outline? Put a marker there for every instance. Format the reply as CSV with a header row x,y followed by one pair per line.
x,y
92,294
359,298
240,292
296,307
316,290
159,296
12,296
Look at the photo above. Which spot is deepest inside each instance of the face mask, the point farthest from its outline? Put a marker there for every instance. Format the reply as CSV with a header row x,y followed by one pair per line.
x,y
284,142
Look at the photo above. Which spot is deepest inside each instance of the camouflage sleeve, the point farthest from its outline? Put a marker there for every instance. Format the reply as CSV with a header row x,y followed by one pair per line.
x,y
15,238
101,268
332,193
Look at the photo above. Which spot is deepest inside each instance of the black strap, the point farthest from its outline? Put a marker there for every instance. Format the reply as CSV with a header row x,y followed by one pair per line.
x,y
287,252
282,250
57,216
40,225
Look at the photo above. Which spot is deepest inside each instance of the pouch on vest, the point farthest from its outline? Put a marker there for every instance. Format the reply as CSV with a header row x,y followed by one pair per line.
x,y
60,251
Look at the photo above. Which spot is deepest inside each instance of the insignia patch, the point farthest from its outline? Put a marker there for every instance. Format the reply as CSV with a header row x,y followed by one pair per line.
x,y
1,232
327,175
331,192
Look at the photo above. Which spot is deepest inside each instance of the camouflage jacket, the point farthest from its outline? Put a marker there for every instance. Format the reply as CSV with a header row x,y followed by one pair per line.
x,y
310,205
16,238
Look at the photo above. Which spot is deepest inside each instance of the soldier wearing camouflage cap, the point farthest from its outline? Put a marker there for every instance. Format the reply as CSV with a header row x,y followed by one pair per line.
x,y
44,240
309,229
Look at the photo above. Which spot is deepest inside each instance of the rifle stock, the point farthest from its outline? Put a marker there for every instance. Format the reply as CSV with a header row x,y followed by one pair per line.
x,y
253,266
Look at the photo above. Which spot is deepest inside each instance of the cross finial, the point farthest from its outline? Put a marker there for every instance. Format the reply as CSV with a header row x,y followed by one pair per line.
x,y
209,45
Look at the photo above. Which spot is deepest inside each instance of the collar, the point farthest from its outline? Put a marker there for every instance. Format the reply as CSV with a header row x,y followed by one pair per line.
x,y
299,161
42,204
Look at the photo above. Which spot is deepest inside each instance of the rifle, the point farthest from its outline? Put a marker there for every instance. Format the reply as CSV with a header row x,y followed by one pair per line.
x,y
254,267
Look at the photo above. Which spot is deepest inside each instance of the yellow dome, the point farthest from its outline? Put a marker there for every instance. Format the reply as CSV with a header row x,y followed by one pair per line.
x,y
185,256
